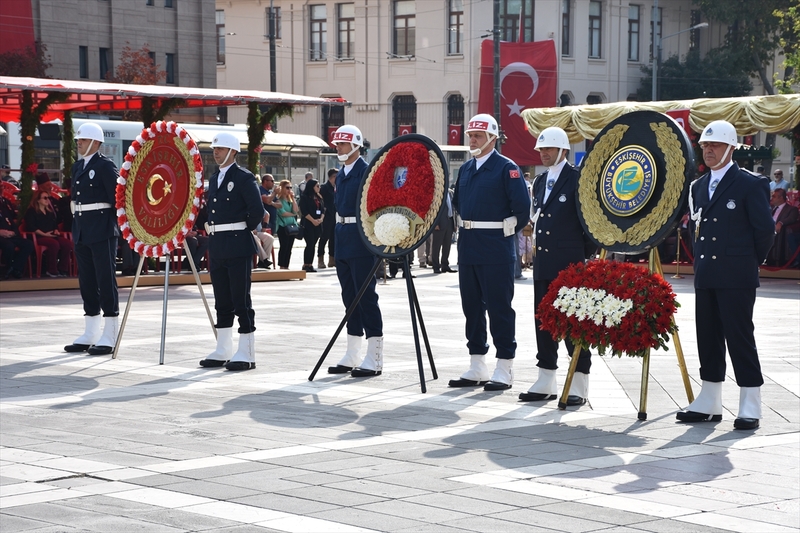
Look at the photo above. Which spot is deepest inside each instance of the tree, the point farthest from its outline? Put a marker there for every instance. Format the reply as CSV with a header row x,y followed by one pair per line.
x,y
790,42
256,124
30,62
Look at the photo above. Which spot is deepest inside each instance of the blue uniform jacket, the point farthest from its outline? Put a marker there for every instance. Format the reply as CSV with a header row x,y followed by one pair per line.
x,y
736,230
96,183
237,199
492,193
560,239
348,241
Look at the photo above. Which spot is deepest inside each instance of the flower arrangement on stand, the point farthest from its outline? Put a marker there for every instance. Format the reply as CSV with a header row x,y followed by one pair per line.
x,y
610,306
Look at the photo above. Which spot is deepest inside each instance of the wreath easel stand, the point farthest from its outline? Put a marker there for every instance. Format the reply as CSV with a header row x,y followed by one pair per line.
x,y
654,266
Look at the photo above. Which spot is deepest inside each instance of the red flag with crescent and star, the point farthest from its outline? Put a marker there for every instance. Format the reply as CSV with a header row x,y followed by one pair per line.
x,y
528,78
454,134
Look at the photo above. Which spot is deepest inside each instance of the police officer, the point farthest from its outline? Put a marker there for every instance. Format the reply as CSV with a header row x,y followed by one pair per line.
x,y
354,262
95,232
234,211
492,199
733,231
559,241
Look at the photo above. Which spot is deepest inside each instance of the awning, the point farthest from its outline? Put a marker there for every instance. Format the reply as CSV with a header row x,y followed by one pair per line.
x,y
749,114
101,96
203,134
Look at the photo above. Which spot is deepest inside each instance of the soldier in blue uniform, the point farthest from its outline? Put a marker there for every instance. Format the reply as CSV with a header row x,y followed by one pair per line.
x,y
559,240
733,231
234,211
492,199
354,262
95,232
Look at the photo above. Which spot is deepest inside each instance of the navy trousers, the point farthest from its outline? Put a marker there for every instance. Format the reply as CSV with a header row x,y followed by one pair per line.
x,y
489,289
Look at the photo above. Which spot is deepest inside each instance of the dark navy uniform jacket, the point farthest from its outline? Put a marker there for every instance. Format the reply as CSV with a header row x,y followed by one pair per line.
x,y
238,199
492,193
96,183
560,239
348,240
736,230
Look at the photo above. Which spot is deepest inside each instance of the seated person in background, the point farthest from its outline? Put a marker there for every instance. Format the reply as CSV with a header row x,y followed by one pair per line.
x,y
264,242
778,182
15,248
40,218
785,216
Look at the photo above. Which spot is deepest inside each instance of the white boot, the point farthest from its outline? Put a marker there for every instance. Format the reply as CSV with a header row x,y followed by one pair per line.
x,y
372,365
108,339
351,357
245,356
478,373
546,384
578,389
224,350
707,407
749,408
502,377
91,335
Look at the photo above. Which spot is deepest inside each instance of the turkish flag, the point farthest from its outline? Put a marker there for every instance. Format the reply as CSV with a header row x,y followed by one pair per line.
x,y
681,116
331,131
454,134
404,129
528,78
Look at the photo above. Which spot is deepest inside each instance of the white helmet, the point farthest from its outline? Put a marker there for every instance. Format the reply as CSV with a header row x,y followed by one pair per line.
x,y
90,130
483,122
226,140
720,131
552,137
348,134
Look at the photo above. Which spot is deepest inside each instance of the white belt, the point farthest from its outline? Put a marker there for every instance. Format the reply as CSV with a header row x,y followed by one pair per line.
x,y
479,224
345,220
79,208
216,228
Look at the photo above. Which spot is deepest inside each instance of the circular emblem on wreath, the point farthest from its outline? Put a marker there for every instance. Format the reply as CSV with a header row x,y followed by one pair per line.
x,y
401,195
628,181
159,189
634,182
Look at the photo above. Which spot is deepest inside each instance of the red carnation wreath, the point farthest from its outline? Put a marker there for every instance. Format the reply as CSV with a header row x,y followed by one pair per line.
x,y
610,305
159,189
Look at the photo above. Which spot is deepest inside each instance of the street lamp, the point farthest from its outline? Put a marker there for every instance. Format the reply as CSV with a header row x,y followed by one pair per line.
x,y
657,60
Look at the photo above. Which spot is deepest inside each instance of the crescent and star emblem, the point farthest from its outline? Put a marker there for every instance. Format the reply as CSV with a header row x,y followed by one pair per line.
x,y
167,189
524,68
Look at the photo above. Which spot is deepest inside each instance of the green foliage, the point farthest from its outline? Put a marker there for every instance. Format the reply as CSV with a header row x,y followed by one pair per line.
x,y
789,21
31,61
256,124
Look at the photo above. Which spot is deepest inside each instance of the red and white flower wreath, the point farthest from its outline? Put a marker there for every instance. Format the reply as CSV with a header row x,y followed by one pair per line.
x,y
148,134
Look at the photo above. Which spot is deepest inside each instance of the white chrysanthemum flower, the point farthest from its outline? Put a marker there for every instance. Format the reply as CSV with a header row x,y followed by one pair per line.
x,y
392,228
595,305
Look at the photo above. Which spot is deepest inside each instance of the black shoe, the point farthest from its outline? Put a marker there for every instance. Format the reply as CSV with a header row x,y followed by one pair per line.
x,y
572,399
437,271
239,365
359,372
694,416
100,350
51,275
496,385
536,397
450,270
212,363
461,382
520,277
128,272
76,348
309,268
746,423
339,369
16,274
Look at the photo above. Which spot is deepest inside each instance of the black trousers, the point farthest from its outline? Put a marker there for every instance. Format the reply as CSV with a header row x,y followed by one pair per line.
x,y
311,234
328,236
285,251
440,250
547,348
489,289
231,281
16,251
726,316
97,277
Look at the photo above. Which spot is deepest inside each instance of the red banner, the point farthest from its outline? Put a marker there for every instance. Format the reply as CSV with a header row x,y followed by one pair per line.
x,y
404,129
454,134
528,78
331,131
681,116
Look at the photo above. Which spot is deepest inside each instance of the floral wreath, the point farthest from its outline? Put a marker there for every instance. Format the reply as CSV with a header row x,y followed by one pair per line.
x,y
137,237
402,194
610,305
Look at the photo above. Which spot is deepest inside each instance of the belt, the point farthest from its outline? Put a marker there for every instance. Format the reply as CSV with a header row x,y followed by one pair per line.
x,y
216,228
479,224
79,208
345,220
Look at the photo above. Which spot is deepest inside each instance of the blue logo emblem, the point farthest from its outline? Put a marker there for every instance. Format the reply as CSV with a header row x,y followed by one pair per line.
x,y
628,180
400,177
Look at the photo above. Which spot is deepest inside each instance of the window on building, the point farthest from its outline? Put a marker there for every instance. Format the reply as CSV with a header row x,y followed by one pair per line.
x,y
105,62
455,29
170,68
566,33
516,14
633,32
657,16
346,21
151,2
593,99
404,115
404,28
455,117
595,28
276,13
220,37
83,61
152,58
694,35
167,3
318,47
